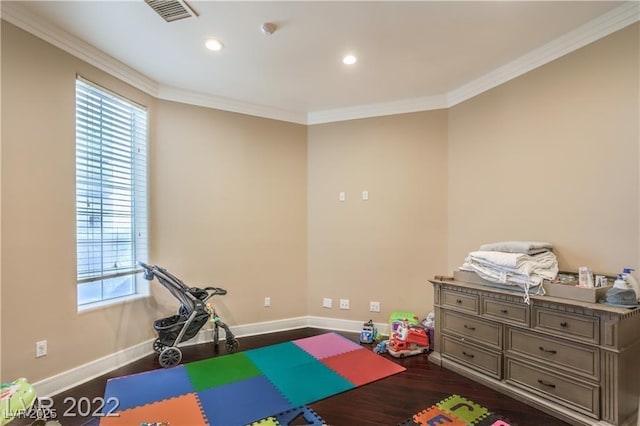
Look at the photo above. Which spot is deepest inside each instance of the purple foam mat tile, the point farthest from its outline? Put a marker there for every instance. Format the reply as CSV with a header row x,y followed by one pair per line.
x,y
326,345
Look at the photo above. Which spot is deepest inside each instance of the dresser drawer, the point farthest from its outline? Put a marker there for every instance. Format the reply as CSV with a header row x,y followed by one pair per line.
x,y
576,359
472,356
505,311
477,329
567,325
575,394
459,301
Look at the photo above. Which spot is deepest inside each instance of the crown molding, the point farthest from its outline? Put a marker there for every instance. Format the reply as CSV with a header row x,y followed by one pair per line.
x,y
404,106
600,27
169,93
18,15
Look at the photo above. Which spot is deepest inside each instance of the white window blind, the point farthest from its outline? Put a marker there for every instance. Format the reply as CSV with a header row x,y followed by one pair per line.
x,y
111,193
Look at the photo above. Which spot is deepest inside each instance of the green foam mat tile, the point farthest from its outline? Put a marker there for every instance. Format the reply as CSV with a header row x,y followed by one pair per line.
x,y
464,409
221,370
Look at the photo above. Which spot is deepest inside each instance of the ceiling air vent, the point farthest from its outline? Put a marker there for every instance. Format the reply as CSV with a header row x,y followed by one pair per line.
x,y
171,10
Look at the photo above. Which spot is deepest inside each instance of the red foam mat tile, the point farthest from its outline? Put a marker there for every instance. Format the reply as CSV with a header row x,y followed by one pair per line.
x,y
362,366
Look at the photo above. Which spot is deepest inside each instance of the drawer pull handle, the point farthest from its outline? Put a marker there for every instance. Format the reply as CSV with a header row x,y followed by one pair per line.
x,y
469,327
549,351
504,311
458,301
468,355
563,324
542,382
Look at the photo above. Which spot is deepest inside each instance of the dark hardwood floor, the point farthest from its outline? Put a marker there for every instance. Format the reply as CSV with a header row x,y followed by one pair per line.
x,y
385,402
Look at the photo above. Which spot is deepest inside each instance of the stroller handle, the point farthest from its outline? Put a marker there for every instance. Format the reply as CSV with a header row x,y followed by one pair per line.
x,y
216,291
148,271
202,294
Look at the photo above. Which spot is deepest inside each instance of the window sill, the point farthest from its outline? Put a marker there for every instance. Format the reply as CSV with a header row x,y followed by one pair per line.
x,y
111,303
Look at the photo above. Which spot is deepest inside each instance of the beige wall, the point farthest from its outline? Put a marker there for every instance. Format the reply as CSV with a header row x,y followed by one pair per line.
x,y
553,155
0,204
384,249
229,208
38,217
251,204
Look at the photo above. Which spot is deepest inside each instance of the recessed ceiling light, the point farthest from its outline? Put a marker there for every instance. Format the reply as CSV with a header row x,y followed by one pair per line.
x,y
213,44
349,60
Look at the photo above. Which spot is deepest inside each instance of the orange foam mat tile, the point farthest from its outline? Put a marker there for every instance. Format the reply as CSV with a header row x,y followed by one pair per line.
x,y
183,410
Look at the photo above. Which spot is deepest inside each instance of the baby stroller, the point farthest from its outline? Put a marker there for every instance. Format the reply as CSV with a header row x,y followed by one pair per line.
x,y
194,312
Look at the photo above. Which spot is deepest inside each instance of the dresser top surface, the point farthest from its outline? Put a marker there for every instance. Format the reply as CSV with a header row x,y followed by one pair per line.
x,y
534,297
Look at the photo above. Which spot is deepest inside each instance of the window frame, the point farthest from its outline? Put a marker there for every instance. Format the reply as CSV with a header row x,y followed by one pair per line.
x,y
133,211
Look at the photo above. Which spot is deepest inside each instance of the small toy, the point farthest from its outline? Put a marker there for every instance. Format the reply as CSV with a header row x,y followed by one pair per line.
x,y
408,340
429,321
15,397
369,333
381,347
397,318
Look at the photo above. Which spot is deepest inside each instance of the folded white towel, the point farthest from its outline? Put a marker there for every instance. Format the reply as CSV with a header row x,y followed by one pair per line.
x,y
529,247
516,269
544,264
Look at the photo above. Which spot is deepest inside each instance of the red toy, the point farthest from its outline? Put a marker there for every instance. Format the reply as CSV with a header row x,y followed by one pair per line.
x,y
408,341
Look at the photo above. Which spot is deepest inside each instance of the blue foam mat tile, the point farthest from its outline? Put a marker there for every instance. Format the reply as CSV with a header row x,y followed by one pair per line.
x,y
144,388
242,402
309,416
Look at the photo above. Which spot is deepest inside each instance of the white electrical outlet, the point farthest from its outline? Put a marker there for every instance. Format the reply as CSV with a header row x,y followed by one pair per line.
x,y
374,306
327,303
344,303
41,348
267,302
342,196
365,195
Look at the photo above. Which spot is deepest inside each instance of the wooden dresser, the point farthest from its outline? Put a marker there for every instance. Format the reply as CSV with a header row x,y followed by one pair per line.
x,y
577,361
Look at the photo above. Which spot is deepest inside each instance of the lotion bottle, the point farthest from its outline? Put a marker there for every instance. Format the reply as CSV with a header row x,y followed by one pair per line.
x,y
631,281
620,283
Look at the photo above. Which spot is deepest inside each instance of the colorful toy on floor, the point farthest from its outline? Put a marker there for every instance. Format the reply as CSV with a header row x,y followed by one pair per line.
x,y
456,410
408,340
381,347
369,333
15,398
398,318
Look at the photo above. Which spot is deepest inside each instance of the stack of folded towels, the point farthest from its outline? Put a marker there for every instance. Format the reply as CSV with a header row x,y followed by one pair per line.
x,y
515,263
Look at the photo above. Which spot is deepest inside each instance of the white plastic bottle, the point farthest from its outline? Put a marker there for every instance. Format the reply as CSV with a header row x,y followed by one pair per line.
x,y
620,282
631,281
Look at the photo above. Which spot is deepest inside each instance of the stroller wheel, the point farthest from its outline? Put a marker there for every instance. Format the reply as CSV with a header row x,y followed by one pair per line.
x,y
231,345
158,346
170,357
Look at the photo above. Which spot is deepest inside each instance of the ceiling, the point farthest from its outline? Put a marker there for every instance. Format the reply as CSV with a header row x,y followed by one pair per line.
x,y
412,56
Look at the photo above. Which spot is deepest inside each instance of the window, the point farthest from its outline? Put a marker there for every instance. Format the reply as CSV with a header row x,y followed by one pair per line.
x,y
111,195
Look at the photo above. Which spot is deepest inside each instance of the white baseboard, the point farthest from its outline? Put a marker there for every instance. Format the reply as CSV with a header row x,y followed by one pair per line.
x,y
83,373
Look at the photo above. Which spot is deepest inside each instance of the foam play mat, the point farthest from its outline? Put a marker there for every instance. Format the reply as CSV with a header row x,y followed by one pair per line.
x,y
245,387
456,410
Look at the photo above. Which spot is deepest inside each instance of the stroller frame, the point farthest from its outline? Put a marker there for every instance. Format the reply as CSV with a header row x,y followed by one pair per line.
x,y
193,314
